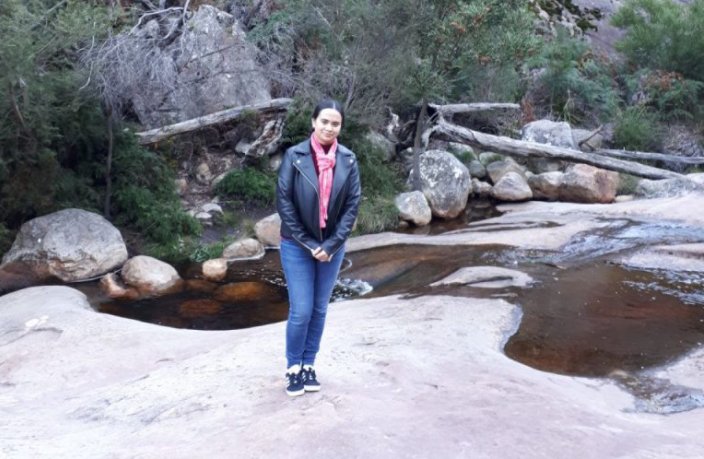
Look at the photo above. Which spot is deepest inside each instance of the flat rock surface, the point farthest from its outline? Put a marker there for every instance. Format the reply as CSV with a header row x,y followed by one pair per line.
x,y
401,378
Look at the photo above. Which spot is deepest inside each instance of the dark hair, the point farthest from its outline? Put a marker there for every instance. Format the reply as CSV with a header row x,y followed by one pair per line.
x,y
329,103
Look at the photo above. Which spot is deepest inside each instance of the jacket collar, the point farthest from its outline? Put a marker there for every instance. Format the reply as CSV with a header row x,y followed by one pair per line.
x,y
344,160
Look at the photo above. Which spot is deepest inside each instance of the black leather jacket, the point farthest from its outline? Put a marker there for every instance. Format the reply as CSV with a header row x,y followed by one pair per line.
x,y
297,195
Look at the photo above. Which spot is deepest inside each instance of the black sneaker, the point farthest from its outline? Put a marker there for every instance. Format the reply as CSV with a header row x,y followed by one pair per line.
x,y
310,383
295,384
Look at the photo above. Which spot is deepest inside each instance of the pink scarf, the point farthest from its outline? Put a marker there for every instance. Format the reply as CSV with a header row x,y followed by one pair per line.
x,y
326,163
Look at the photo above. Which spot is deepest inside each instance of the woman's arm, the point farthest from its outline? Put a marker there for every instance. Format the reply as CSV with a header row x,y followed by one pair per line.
x,y
348,214
286,208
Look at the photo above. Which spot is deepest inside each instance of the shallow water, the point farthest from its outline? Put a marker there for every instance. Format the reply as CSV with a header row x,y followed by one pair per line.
x,y
583,316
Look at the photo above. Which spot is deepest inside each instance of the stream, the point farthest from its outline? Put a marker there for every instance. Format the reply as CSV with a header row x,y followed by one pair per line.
x,y
583,315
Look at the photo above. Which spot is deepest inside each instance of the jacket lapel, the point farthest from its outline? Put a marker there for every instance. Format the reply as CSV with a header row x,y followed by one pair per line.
x,y
304,163
343,166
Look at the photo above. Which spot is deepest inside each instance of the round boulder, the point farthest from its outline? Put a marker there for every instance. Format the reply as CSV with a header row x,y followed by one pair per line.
x,y
71,244
244,249
413,207
512,187
151,276
268,230
585,183
445,182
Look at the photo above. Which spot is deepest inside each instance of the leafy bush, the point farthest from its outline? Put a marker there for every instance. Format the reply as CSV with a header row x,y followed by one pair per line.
x,y
627,184
145,198
637,129
7,237
574,83
376,214
249,185
51,134
665,35
669,94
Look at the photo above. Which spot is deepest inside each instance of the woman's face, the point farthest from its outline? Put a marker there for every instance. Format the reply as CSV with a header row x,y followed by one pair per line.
x,y
326,127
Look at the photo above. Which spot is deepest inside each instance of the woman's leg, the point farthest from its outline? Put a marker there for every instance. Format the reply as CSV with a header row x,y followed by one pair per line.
x,y
299,270
325,278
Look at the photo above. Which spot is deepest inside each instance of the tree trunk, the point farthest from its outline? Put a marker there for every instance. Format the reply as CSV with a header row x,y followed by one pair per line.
x,y
418,145
512,147
108,166
646,156
452,109
156,135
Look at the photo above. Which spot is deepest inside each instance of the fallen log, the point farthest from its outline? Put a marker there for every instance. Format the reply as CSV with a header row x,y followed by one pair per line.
x,y
646,156
523,149
452,109
158,134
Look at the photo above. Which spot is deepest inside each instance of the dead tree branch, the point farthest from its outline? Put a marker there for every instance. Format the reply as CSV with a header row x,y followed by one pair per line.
x,y
156,135
518,148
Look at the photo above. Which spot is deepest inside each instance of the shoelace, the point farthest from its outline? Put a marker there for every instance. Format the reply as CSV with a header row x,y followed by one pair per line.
x,y
308,375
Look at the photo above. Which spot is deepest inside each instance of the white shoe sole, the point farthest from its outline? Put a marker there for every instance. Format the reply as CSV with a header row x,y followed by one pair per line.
x,y
295,393
311,388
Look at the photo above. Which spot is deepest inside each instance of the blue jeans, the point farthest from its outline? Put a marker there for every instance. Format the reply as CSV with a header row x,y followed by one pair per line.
x,y
310,283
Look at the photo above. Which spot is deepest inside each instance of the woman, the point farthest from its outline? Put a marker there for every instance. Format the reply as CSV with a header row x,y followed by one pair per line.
x,y
317,197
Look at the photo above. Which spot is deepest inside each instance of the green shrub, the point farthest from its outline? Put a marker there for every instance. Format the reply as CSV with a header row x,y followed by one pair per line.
x,y
627,184
145,198
664,35
7,237
575,84
376,214
248,185
670,95
637,129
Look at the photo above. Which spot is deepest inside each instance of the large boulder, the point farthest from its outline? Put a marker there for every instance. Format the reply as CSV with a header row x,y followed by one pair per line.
x,y
413,207
512,187
268,230
546,185
150,276
669,187
584,183
211,67
498,169
71,245
558,134
445,182
587,140
244,249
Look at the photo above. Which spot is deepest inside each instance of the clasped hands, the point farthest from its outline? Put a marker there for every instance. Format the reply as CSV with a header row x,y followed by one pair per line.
x,y
320,254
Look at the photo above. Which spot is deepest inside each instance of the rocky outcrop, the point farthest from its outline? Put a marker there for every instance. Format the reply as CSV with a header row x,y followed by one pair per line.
x,y
75,383
414,208
71,245
445,182
212,67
